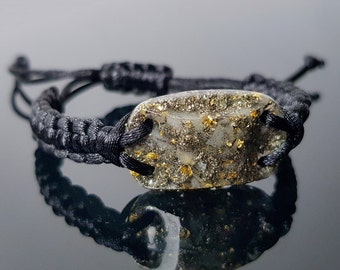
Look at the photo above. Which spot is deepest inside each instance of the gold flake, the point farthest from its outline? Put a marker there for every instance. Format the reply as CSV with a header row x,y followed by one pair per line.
x,y
138,153
254,114
165,165
222,175
226,227
143,111
133,217
173,141
208,185
257,95
152,156
165,113
184,233
229,143
231,175
160,107
227,162
223,254
134,174
209,122
212,101
240,143
186,170
175,179
188,124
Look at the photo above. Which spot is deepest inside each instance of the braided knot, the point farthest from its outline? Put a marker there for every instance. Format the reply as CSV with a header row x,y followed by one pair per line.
x,y
85,140
138,78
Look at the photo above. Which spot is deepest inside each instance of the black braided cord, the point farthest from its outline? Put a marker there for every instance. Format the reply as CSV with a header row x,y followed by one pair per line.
x,y
90,141
85,140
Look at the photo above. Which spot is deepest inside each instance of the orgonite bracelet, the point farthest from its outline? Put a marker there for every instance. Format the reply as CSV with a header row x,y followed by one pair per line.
x,y
227,132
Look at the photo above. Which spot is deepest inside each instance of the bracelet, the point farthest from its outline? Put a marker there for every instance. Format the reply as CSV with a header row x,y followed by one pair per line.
x,y
228,132
197,229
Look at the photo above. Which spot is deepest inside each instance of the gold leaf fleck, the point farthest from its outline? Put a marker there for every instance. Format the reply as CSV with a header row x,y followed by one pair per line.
x,y
229,143
232,175
134,174
254,114
152,156
239,143
209,122
186,170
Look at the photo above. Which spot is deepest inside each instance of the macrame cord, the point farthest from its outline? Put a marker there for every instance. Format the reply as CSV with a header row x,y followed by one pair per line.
x,y
93,142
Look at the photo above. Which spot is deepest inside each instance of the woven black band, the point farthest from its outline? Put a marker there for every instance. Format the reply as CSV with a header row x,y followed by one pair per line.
x,y
84,140
90,141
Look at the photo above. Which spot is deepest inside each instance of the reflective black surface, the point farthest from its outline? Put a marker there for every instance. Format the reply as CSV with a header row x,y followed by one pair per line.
x,y
197,39
199,229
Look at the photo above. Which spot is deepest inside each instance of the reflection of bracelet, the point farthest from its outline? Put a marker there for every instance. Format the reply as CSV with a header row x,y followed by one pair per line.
x,y
194,139
197,229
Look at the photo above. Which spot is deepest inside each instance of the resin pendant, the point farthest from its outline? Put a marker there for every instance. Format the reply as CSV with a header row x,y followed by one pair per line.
x,y
205,138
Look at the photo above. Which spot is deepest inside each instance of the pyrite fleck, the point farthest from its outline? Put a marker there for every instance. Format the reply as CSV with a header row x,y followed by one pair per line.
x,y
205,138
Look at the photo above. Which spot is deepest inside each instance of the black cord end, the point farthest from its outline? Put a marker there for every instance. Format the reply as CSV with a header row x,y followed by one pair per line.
x,y
315,96
20,65
312,62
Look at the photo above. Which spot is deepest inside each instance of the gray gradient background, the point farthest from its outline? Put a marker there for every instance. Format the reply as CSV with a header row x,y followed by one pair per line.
x,y
196,38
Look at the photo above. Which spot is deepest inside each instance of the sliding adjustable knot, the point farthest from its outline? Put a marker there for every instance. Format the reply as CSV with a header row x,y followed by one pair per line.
x,y
256,79
138,78
270,87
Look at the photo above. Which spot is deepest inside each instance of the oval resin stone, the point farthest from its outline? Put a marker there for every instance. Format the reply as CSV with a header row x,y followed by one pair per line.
x,y
205,138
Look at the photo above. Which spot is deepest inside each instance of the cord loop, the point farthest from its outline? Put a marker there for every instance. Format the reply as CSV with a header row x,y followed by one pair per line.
x,y
290,123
